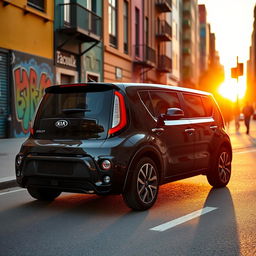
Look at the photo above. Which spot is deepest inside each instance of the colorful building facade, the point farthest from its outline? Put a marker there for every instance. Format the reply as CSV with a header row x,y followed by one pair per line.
x,y
117,40
26,62
66,41
135,36
78,36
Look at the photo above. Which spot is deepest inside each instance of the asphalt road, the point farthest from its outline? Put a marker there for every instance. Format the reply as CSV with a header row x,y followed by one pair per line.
x,y
92,225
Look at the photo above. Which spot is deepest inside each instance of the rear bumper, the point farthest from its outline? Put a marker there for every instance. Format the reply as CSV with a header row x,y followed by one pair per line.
x,y
77,174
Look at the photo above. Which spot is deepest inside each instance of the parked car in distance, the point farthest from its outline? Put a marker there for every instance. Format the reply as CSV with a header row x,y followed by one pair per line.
x,y
122,139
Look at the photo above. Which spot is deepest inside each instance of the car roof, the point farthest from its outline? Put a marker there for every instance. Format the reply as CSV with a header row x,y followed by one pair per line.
x,y
124,86
162,86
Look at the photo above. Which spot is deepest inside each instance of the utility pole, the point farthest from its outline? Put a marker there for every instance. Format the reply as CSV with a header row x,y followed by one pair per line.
x,y
235,73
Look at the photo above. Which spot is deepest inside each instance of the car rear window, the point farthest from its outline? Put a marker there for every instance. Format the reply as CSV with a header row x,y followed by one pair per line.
x,y
74,115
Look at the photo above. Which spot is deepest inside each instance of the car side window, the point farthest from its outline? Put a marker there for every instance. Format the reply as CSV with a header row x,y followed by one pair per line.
x,y
144,96
208,106
194,105
161,101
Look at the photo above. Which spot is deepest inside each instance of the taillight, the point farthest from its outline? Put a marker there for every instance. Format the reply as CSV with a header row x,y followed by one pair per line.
x,y
119,114
31,130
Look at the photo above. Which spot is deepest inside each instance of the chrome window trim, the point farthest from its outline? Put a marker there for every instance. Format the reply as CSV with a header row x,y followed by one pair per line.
x,y
189,121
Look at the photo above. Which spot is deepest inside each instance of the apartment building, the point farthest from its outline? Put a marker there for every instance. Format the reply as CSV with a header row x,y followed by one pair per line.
x,y
136,33
251,65
117,40
78,41
204,39
190,44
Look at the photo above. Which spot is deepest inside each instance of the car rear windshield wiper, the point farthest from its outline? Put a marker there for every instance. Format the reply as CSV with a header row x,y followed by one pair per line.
x,y
74,110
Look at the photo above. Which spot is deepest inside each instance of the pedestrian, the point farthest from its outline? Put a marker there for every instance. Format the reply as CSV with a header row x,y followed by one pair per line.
x,y
237,116
247,111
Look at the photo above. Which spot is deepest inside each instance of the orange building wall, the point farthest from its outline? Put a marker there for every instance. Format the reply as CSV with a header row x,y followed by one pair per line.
x,y
116,58
25,29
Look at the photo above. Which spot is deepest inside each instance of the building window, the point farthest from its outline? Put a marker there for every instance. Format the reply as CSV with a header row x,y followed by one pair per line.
x,y
37,4
147,31
126,14
112,22
137,32
67,11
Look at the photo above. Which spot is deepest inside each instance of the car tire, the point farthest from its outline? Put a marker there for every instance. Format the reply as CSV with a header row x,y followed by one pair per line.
x,y
220,172
43,194
142,188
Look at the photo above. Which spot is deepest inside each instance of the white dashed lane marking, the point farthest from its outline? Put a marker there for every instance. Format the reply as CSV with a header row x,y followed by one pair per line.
x,y
183,219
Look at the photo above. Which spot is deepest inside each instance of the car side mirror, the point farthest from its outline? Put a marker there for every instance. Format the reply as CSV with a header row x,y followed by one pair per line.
x,y
174,114
171,114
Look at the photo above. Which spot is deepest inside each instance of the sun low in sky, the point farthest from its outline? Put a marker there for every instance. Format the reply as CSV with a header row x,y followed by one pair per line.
x,y
232,23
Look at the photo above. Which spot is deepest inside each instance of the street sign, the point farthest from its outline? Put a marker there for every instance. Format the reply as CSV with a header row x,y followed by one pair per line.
x,y
240,69
237,71
234,73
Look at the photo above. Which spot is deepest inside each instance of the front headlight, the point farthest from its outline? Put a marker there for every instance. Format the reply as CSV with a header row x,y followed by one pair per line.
x,y
19,160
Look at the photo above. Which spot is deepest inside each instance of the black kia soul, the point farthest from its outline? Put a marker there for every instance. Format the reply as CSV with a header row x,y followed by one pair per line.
x,y
122,139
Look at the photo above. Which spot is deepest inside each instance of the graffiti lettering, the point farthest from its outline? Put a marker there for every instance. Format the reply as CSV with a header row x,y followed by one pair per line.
x,y
29,85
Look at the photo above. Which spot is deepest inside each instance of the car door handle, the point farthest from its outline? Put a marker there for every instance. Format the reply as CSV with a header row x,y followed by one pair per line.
x,y
214,127
157,130
190,131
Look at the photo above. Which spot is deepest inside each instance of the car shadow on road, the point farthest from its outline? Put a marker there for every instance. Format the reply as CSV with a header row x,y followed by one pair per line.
x,y
77,223
218,234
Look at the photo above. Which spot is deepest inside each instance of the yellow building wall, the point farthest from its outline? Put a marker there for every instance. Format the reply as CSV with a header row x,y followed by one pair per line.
x,y
23,28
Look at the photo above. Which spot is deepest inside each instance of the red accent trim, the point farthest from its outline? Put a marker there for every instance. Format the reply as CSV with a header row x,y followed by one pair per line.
x,y
123,117
72,85
31,130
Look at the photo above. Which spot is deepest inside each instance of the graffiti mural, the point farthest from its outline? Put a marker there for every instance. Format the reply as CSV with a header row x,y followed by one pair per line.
x,y
31,75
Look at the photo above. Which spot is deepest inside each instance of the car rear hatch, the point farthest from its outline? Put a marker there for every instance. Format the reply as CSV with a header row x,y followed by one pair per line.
x,y
75,112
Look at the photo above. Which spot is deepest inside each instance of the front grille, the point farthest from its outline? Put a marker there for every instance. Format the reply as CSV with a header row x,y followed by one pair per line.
x,y
63,184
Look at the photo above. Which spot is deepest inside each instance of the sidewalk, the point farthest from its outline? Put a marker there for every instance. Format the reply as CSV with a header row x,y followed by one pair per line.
x,y
10,147
8,150
240,139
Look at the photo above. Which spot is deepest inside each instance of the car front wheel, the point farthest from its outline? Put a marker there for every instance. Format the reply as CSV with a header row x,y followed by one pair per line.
x,y
142,188
220,172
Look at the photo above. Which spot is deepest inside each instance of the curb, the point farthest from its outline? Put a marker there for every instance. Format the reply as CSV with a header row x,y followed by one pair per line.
x,y
9,182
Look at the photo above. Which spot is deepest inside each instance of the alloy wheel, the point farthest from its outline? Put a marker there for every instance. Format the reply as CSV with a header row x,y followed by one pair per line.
x,y
224,167
147,183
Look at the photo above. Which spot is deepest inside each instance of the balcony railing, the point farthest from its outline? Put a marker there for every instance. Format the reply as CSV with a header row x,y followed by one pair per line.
x,y
187,8
76,19
186,51
186,37
144,55
186,23
164,64
164,5
164,31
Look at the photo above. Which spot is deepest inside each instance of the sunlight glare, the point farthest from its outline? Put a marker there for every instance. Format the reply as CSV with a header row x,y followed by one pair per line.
x,y
230,89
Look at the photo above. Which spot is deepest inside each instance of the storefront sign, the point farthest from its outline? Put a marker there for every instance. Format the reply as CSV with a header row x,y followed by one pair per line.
x,y
66,59
119,73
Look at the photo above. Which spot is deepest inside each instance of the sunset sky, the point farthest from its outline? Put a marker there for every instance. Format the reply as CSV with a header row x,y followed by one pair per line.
x,y
232,23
